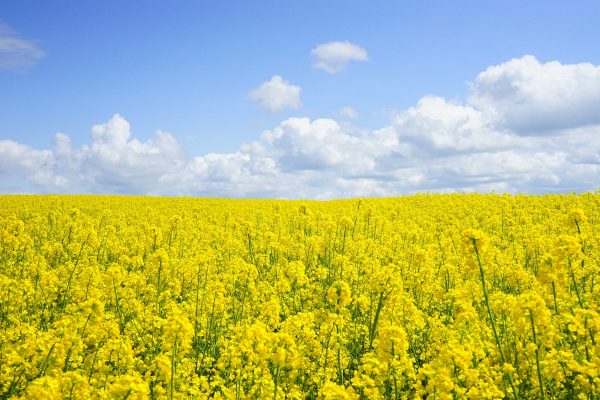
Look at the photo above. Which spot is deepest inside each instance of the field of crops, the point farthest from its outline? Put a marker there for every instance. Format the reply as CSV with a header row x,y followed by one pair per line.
x,y
436,296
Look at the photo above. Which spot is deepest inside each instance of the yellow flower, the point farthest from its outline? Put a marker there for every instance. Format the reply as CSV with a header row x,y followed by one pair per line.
x,y
339,294
128,386
567,247
577,216
475,239
118,297
333,391
346,222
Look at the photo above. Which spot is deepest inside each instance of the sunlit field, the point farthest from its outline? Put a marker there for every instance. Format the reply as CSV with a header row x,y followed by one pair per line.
x,y
427,296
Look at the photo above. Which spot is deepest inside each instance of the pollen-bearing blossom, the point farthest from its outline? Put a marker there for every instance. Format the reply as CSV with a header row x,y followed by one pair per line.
x,y
433,296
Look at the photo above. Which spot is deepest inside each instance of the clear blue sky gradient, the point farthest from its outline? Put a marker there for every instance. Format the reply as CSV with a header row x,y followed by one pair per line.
x,y
187,67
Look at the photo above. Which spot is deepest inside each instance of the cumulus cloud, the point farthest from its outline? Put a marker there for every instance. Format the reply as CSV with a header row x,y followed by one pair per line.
x,y
437,125
120,162
17,53
276,94
299,144
531,97
18,162
333,57
114,162
436,146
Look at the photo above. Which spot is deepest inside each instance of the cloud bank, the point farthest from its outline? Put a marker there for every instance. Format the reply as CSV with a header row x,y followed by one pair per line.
x,y
525,127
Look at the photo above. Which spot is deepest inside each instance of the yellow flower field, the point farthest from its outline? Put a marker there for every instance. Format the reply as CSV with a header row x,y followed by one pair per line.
x,y
426,296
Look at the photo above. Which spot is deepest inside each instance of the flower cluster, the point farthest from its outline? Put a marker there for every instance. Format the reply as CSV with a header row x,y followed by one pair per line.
x,y
426,296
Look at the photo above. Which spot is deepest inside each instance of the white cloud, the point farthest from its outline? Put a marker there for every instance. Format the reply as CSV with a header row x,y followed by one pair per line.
x,y
119,162
348,112
299,144
18,161
276,94
333,57
17,53
436,145
113,162
436,125
532,97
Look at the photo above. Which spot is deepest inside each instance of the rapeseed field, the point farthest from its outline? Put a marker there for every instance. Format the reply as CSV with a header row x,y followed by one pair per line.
x,y
425,296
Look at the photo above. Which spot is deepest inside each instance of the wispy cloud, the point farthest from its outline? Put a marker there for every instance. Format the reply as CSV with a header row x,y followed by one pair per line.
x,y
348,113
17,53
333,57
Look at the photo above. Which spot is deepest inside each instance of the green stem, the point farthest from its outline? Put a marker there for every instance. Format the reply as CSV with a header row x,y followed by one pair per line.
x,y
491,316
339,357
276,382
537,355
554,296
173,369
575,284
45,363
376,319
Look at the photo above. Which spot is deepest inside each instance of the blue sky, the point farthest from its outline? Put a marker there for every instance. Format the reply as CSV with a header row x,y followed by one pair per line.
x,y
190,69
